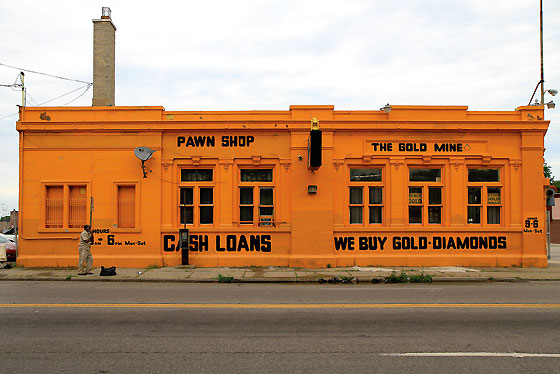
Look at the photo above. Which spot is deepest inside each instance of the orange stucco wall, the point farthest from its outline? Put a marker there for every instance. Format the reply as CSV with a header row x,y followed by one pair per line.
x,y
92,148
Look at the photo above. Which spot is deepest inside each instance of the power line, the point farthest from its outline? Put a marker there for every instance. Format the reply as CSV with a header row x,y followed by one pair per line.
x,y
68,93
48,75
87,87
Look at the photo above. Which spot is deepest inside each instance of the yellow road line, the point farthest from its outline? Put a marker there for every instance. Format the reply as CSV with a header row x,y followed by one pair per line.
x,y
284,306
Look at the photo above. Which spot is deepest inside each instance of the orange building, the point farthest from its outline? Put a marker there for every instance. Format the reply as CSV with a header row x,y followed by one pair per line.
x,y
413,186
308,187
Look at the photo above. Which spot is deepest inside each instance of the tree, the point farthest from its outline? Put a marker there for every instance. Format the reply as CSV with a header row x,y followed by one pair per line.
x,y
548,172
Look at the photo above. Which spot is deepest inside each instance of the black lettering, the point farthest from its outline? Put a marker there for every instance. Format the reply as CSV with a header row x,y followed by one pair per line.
x,y
340,243
382,242
225,141
243,243
180,140
502,244
423,147
242,141
110,239
460,147
363,243
193,243
405,241
199,141
203,243
255,242
422,242
402,147
219,248
451,243
266,243
473,241
437,242
372,243
396,242
168,245
483,242
231,243
190,142
351,243
250,139
492,243
462,243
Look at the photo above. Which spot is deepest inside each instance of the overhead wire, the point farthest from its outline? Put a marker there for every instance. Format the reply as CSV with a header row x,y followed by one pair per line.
x,y
48,75
68,93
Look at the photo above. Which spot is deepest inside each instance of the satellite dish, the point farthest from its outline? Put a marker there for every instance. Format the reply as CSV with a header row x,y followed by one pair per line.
x,y
143,153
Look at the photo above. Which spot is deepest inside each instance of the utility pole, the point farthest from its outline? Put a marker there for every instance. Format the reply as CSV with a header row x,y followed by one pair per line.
x,y
542,58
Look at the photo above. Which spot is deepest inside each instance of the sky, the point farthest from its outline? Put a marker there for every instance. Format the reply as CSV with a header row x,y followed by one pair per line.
x,y
270,54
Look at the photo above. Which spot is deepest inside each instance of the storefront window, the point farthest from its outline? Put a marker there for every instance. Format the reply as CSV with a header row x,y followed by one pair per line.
x,y
196,197
256,186
484,196
369,182
425,183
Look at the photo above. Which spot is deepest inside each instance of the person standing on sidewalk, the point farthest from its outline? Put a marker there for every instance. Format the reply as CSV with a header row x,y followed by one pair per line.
x,y
86,239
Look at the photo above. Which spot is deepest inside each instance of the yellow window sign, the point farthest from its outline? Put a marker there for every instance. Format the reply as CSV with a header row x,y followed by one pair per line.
x,y
414,198
494,198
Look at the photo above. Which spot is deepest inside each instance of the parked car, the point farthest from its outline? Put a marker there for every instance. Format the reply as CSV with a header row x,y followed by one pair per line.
x,y
11,238
10,247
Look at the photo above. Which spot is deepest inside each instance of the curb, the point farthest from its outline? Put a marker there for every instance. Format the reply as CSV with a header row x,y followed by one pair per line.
x,y
306,280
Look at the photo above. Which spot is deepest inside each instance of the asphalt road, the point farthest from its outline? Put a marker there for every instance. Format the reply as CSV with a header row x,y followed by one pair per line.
x,y
213,328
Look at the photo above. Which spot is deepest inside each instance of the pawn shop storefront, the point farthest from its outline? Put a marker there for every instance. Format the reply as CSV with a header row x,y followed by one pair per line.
x,y
306,187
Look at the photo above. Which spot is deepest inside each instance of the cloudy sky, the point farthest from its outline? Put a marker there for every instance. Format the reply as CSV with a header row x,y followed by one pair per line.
x,y
269,54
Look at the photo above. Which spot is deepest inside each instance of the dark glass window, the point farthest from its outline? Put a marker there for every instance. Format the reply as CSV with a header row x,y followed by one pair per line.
x,y
415,214
473,214
196,175
425,175
484,175
475,195
256,175
356,195
375,214
246,205
365,175
376,195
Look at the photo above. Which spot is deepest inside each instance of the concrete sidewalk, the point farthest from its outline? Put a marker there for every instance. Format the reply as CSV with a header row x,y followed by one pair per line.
x,y
295,275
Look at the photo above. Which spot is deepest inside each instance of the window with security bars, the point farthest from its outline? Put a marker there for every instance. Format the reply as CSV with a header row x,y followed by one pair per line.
x,y
66,206
425,203
256,197
366,196
78,206
196,197
126,206
484,196
54,207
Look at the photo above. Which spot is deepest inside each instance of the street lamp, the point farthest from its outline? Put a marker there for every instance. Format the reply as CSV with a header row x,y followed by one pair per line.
x,y
551,104
553,92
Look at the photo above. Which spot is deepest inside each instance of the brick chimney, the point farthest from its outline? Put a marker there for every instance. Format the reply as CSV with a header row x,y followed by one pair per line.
x,y
103,60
